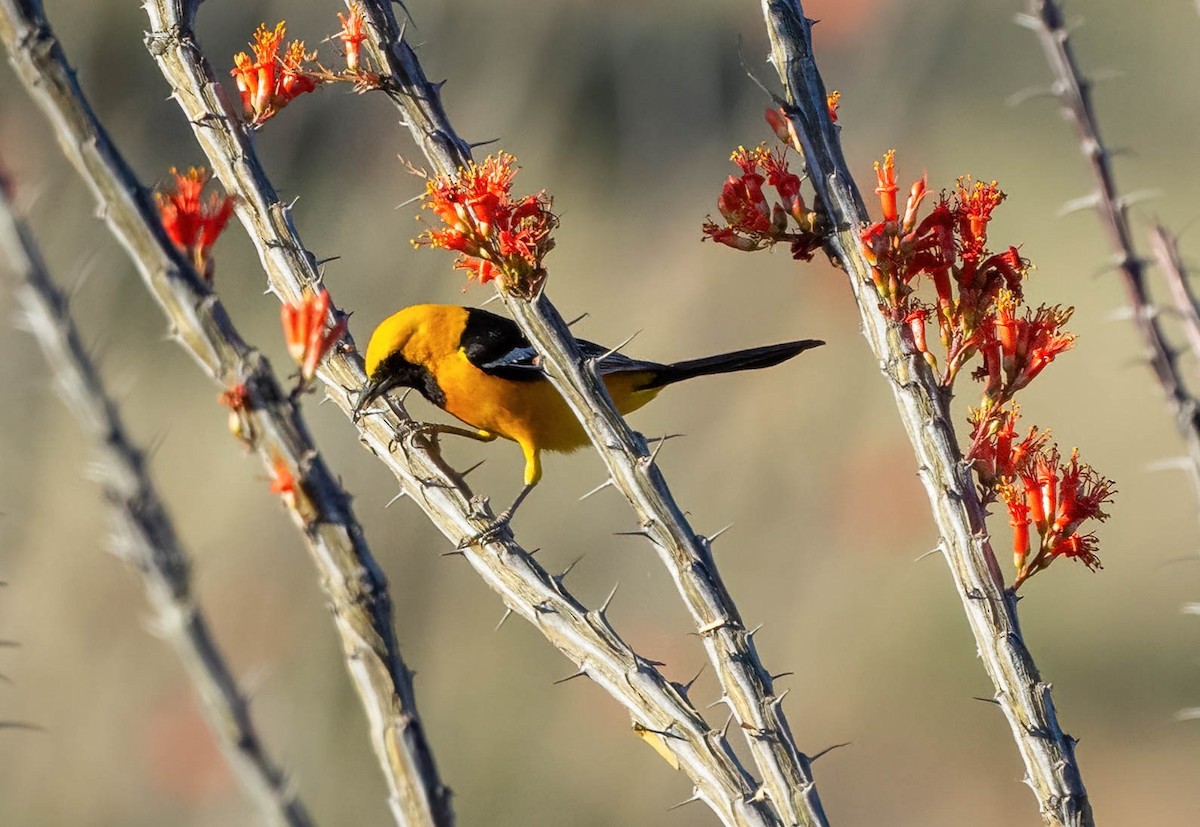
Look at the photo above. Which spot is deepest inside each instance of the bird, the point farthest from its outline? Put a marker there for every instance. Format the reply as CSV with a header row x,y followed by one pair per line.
x,y
480,368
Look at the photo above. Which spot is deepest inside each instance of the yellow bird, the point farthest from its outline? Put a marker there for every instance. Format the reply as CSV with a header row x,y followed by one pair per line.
x,y
479,367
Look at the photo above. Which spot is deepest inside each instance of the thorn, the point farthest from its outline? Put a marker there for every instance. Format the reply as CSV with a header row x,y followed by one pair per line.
x,y
778,699
476,144
1137,197
687,687
617,349
598,488
828,750
987,700
1121,314
455,551
321,262
641,532
412,200
494,298
715,535
752,632
507,614
20,725
781,675
578,318
728,721
604,606
463,474
396,498
929,553
708,628
578,674
1170,464
568,569
1028,94
1027,21
685,802
1087,202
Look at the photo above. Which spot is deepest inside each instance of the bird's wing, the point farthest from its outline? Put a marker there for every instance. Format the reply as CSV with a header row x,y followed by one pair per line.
x,y
497,346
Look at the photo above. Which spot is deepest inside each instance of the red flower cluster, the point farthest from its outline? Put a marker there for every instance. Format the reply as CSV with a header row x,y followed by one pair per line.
x,y
978,293
1042,492
754,221
496,235
270,82
976,303
1016,349
978,309
190,221
308,339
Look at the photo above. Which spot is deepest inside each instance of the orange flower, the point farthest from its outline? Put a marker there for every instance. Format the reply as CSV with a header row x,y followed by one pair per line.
x,y
1061,498
283,483
190,221
237,399
496,235
269,82
352,36
305,332
831,100
885,174
1017,348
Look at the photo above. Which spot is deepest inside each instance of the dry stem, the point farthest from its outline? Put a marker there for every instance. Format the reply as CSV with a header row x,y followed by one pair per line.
x,y
585,637
144,534
1048,753
1045,19
746,684
353,582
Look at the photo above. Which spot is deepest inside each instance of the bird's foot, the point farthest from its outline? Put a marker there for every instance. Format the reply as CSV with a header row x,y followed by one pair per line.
x,y
489,533
410,429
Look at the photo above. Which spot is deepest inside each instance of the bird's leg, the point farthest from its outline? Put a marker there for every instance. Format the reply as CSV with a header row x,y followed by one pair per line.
x,y
500,523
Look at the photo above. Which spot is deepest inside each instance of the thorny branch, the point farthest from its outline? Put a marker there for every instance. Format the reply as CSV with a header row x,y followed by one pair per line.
x,y
585,637
143,532
1045,19
745,682
353,582
1048,753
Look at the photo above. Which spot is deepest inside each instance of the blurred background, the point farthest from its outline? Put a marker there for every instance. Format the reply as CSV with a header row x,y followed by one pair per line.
x,y
626,113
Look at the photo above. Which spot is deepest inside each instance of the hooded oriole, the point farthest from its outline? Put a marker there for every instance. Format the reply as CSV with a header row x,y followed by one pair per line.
x,y
479,367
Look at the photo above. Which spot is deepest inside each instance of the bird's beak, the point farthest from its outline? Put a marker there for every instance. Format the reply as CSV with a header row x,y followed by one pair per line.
x,y
372,390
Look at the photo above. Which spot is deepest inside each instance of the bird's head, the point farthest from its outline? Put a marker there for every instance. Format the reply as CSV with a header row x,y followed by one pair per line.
x,y
402,348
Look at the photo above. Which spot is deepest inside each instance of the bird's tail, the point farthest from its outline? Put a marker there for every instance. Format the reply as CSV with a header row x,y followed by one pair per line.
x,y
752,359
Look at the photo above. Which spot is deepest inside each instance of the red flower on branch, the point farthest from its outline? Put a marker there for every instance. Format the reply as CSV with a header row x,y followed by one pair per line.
x,y
755,221
192,222
352,36
270,82
496,235
306,332
237,399
831,100
1017,348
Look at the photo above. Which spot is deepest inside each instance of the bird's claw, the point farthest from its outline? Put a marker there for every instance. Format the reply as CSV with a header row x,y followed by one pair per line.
x,y
409,430
489,533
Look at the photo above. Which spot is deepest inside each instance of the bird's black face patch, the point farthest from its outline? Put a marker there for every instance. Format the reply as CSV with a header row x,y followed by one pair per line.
x,y
397,372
